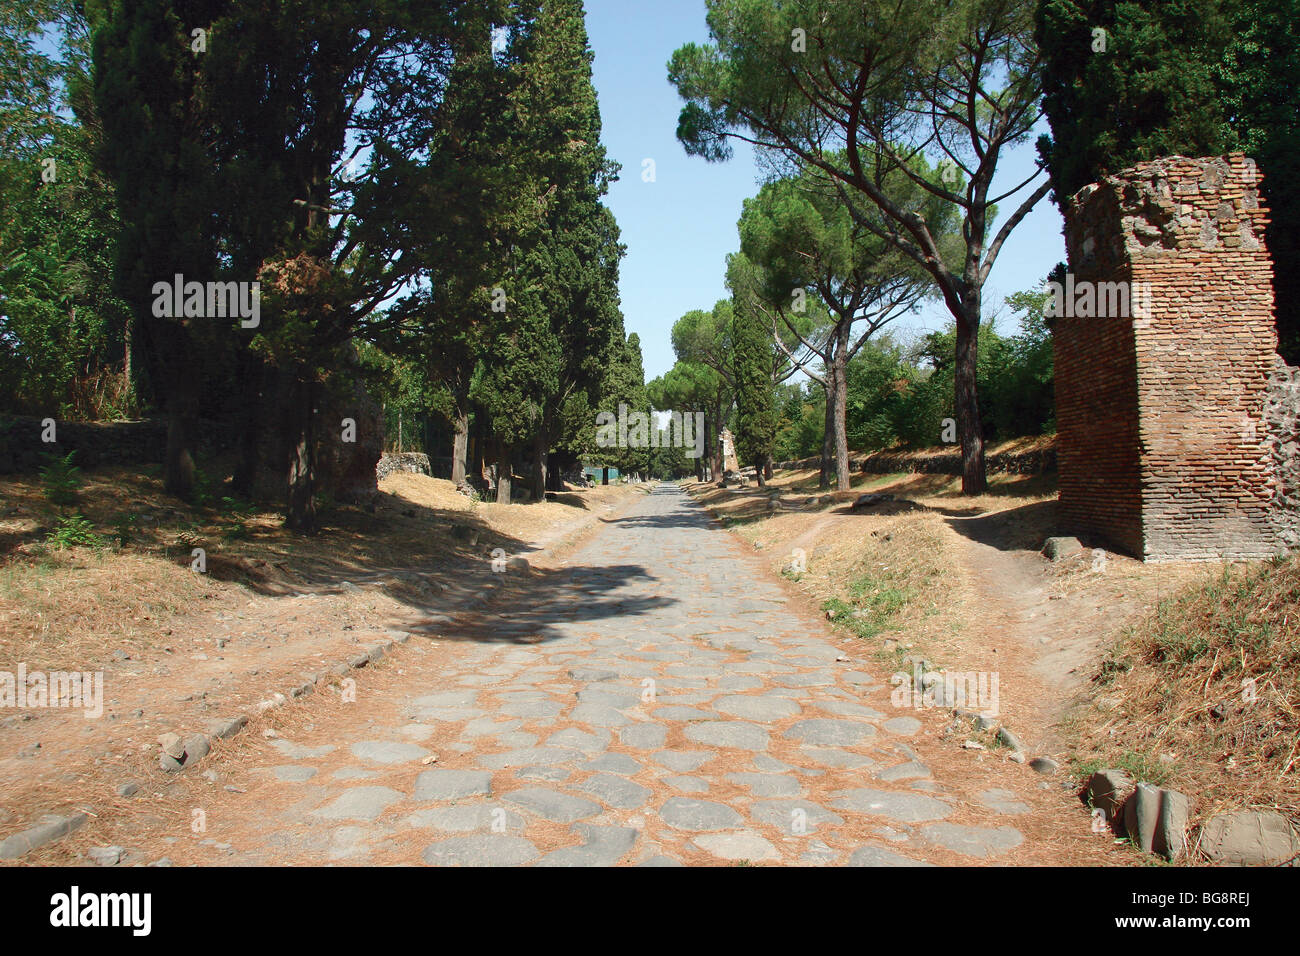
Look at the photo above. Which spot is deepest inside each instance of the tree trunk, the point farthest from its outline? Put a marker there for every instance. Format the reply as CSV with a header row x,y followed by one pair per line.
x,y
178,468
767,465
459,448
841,403
969,427
758,471
828,436
504,475
604,475
301,516
540,444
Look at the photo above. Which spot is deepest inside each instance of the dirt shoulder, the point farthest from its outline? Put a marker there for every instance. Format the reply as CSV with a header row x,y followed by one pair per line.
x,y
178,649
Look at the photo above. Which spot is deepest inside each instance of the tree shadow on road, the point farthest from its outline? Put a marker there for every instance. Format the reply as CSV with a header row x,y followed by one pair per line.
x,y
529,608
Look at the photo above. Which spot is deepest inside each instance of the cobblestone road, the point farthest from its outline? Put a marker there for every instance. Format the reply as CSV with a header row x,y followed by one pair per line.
x,y
654,702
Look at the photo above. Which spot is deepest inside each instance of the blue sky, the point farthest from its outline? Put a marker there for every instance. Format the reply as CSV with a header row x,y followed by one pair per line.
x,y
679,228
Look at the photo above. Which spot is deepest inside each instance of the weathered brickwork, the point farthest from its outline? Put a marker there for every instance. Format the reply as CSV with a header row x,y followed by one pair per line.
x,y
1165,448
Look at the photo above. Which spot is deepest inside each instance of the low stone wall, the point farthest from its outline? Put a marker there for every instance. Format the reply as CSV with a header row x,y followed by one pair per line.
x,y
409,461
1032,462
96,443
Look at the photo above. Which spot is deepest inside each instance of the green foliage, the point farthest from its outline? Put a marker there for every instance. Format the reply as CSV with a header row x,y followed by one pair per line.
x,y
751,345
72,530
62,331
1261,95
60,479
1152,92
1185,77
801,422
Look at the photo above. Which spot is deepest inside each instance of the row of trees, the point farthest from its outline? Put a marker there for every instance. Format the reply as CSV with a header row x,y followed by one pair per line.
x,y
416,185
885,124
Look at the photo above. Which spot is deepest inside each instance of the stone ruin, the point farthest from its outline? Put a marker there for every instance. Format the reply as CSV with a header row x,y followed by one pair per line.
x,y
1178,423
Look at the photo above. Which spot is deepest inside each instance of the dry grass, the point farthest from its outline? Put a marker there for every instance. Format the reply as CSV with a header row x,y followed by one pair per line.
x,y
888,575
1203,694
68,607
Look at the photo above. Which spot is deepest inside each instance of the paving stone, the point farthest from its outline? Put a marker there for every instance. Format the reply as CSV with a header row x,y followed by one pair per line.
x,y
756,708
388,751
795,817
496,849
349,843
529,709
598,715
469,818
354,773
902,726
444,784
614,763
293,773
359,803
846,708
417,732
739,682
298,751
818,854
684,813
737,845
48,829
618,792
553,805
912,770
729,733
1003,801
660,861
617,696
805,680
447,698
645,736
588,674
830,732
551,774
546,756
982,842
767,784
489,727
687,784
681,714
831,757
903,807
879,856
588,742
766,763
601,846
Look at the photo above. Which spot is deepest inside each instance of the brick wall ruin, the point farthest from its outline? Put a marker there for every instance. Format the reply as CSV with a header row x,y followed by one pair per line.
x,y
1177,420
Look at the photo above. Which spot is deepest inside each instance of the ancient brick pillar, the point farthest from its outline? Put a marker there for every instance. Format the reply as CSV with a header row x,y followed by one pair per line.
x,y
1165,362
